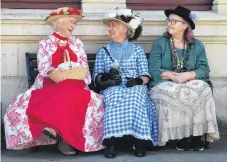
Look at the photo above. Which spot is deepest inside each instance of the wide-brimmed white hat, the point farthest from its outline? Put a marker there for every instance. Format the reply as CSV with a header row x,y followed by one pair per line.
x,y
64,12
126,17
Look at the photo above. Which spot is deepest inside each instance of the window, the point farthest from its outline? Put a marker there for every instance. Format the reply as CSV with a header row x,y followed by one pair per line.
x,y
40,4
196,5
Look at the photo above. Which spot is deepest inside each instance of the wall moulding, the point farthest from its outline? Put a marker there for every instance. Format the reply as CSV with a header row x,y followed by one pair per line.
x,y
103,39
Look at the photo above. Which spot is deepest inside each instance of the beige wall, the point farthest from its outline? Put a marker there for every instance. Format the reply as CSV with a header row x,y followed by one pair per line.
x,y
22,29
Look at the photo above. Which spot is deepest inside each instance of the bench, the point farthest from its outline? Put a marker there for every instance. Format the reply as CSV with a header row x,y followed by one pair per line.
x,y
32,72
32,67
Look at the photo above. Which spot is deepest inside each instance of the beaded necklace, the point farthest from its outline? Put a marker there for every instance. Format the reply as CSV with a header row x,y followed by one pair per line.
x,y
178,64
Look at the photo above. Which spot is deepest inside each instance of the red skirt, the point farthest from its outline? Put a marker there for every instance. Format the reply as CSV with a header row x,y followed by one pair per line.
x,y
62,107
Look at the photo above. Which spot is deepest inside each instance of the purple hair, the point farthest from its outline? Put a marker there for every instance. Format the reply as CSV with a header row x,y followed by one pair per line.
x,y
188,35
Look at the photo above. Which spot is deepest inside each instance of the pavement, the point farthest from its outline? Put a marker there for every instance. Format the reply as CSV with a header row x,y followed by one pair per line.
x,y
217,153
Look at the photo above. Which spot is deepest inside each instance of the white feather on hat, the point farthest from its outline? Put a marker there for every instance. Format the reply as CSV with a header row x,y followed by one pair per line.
x,y
115,15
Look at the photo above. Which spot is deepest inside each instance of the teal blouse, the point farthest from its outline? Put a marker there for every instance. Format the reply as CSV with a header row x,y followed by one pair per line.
x,y
160,60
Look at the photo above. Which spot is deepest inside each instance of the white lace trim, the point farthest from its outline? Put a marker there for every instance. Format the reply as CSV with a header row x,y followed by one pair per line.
x,y
129,133
186,131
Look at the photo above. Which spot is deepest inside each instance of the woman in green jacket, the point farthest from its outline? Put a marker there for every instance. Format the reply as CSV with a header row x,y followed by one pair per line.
x,y
179,88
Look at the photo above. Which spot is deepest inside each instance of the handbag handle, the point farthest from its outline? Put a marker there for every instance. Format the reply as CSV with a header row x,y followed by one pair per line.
x,y
66,56
108,53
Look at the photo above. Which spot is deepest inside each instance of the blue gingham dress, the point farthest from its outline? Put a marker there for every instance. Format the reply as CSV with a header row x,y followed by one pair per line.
x,y
128,111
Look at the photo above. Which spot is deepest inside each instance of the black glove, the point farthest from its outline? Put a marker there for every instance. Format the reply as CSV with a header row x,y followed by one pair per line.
x,y
109,83
113,74
105,77
108,80
133,81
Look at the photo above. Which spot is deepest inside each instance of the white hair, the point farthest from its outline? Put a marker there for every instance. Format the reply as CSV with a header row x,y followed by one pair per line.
x,y
54,23
128,33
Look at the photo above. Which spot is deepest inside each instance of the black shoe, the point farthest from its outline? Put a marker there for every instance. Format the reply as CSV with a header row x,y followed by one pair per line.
x,y
206,143
139,150
183,144
196,144
50,133
110,151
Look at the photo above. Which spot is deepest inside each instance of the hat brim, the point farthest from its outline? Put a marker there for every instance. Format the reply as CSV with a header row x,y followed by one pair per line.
x,y
51,19
169,12
107,20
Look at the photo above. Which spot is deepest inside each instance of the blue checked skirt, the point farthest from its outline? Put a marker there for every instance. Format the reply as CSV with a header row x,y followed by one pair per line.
x,y
130,111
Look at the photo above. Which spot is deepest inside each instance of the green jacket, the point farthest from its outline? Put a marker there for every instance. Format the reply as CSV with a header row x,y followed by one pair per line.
x,y
160,60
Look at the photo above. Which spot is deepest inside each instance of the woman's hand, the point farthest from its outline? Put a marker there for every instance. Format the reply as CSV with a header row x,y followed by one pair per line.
x,y
183,77
179,78
168,75
175,79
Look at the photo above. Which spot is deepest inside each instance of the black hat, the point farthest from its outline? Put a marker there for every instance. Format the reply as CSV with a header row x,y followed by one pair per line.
x,y
182,12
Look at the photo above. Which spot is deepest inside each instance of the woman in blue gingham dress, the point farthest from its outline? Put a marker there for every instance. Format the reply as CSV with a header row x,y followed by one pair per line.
x,y
129,110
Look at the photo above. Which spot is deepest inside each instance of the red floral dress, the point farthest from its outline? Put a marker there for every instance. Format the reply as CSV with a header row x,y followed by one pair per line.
x,y
68,107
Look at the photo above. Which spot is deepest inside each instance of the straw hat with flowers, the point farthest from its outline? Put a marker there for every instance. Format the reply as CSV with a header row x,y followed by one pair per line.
x,y
64,12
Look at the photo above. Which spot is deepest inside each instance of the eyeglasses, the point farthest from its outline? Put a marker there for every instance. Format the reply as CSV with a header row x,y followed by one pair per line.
x,y
173,21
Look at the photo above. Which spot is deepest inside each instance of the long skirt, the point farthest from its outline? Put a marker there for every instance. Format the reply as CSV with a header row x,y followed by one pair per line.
x,y
68,107
130,111
185,110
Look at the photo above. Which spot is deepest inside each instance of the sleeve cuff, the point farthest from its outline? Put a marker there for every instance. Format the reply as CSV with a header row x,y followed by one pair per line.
x,y
199,74
145,74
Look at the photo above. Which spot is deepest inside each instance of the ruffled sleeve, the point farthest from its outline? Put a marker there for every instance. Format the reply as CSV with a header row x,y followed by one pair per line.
x,y
44,60
83,58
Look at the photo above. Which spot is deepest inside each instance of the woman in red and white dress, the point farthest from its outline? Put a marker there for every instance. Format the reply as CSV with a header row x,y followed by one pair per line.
x,y
68,109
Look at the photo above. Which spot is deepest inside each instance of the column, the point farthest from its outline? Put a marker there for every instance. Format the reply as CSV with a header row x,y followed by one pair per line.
x,y
220,6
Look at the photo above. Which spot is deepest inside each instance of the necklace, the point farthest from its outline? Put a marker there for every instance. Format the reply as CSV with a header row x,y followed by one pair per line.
x,y
178,64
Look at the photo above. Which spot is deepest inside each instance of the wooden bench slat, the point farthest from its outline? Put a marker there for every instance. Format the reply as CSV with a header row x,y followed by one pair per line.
x,y
33,64
91,56
91,65
32,56
32,71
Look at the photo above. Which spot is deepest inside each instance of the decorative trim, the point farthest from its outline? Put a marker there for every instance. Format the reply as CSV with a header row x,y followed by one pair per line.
x,y
97,14
24,14
104,39
213,23
98,22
